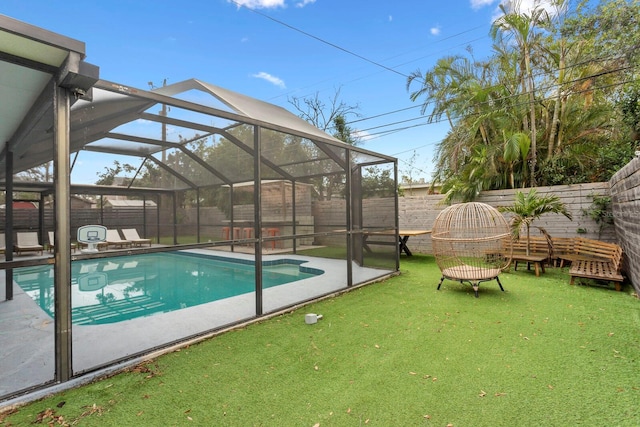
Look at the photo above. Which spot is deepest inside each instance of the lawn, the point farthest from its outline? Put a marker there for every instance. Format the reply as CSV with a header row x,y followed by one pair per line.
x,y
395,353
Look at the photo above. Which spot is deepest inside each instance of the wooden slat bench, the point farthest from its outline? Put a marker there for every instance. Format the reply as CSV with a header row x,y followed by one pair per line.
x,y
562,250
593,259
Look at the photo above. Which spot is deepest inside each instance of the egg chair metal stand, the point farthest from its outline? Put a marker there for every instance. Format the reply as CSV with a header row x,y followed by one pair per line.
x,y
471,244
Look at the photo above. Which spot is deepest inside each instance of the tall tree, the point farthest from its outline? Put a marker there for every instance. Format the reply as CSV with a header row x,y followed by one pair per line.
x,y
545,93
333,118
440,87
611,30
323,115
524,28
108,176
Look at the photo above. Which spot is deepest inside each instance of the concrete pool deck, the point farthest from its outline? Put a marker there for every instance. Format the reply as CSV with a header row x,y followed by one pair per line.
x,y
27,332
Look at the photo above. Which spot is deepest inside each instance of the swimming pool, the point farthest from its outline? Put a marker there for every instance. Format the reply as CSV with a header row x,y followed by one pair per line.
x,y
111,290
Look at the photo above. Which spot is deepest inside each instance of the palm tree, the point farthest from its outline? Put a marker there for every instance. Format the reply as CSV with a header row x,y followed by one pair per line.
x,y
528,207
516,148
524,28
442,87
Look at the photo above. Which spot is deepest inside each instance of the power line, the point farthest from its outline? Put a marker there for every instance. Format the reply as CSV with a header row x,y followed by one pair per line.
x,y
376,63
456,118
291,27
387,68
466,43
611,57
384,114
397,72
495,100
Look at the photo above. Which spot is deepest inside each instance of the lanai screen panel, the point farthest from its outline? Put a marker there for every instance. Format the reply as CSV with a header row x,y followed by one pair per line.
x,y
187,147
375,209
202,160
297,157
27,341
233,156
170,136
219,135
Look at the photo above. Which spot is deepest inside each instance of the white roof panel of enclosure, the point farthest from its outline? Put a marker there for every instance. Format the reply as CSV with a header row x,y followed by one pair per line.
x,y
173,126
30,57
249,107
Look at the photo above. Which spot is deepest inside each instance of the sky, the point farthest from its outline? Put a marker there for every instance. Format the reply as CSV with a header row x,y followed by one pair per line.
x,y
277,50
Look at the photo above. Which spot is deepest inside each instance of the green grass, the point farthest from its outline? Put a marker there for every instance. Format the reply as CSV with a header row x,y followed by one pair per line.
x,y
395,353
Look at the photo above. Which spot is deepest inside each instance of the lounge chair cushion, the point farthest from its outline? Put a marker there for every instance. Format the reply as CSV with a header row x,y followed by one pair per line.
x,y
132,235
27,242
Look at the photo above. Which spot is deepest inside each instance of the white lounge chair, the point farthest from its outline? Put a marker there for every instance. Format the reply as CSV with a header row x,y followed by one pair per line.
x,y
132,235
114,239
52,243
27,242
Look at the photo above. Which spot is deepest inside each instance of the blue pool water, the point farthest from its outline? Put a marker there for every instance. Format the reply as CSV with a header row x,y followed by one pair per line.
x,y
111,290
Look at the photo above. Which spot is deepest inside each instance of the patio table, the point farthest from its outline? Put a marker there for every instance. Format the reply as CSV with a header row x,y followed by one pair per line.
x,y
537,260
403,238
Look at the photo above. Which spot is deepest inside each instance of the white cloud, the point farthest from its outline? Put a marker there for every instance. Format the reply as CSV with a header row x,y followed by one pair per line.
x,y
520,6
303,3
258,4
390,18
435,31
271,79
477,4
526,6
269,4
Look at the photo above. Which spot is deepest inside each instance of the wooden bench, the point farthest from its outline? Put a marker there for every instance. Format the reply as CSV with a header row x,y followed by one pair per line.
x,y
593,259
562,250
539,253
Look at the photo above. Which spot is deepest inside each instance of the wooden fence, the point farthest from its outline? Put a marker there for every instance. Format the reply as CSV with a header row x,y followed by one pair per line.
x,y
28,219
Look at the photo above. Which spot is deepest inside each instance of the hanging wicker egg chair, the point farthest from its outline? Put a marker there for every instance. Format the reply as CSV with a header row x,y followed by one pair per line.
x,y
471,243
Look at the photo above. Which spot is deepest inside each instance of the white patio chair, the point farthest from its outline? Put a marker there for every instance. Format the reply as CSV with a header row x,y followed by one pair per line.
x,y
132,235
27,242
114,239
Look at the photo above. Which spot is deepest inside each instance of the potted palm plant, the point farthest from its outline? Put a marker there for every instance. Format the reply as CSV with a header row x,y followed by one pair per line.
x,y
528,207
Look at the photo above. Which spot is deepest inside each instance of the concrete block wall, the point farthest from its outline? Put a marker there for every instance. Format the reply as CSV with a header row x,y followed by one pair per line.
x,y
625,197
330,216
577,198
419,212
